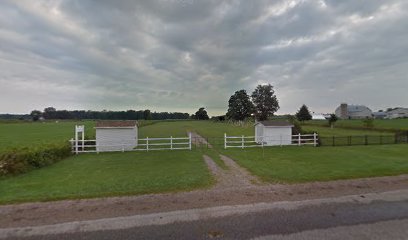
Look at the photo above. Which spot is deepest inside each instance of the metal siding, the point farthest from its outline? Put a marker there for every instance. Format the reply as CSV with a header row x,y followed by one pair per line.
x,y
278,135
124,138
259,133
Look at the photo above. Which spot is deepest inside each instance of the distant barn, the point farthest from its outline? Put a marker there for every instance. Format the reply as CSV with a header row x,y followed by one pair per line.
x,y
273,133
116,135
345,111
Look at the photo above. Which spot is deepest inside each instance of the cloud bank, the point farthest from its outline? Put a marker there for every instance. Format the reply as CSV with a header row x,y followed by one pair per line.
x,y
178,55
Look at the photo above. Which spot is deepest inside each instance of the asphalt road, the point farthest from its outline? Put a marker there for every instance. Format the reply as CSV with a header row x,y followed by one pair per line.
x,y
350,218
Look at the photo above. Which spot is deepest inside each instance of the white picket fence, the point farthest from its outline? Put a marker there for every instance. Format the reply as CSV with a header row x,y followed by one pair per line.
x,y
144,144
251,141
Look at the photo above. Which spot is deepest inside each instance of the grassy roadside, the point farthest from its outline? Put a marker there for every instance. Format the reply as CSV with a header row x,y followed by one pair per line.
x,y
109,174
305,164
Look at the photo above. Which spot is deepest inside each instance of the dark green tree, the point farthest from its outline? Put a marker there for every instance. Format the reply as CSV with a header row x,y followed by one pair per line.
x,y
35,115
50,113
265,101
303,114
201,114
147,115
240,106
332,119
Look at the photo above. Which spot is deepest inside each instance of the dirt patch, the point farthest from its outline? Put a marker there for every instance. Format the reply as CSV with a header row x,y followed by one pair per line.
x,y
234,177
199,141
31,214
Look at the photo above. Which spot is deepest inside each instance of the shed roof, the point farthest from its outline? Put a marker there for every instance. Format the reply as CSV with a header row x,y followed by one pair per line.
x,y
275,123
116,124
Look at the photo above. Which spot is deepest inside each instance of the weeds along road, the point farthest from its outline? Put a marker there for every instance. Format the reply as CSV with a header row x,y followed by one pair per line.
x,y
370,216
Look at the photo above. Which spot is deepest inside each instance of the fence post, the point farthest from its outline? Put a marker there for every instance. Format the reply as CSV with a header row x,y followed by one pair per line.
x,y
225,140
299,139
171,142
314,139
189,140
366,140
333,141
242,142
83,141
76,140
147,143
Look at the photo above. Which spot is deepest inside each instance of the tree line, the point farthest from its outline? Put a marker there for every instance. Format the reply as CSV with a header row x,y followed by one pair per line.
x,y
52,113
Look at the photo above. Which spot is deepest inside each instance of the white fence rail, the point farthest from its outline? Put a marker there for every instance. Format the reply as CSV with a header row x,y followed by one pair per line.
x,y
143,144
262,141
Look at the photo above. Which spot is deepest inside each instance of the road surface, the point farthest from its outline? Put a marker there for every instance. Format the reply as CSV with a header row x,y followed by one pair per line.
x,y
369,216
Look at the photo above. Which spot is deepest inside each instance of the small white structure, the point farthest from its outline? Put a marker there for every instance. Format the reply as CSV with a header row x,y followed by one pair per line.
x,y
116,135
273,133
397,113
318,116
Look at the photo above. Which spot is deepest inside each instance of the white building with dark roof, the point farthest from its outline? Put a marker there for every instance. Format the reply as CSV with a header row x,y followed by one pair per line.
x,y
116,135
273,133
345,111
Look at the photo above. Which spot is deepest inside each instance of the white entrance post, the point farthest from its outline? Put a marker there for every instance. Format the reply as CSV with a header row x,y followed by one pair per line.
x,y
225,140
79,129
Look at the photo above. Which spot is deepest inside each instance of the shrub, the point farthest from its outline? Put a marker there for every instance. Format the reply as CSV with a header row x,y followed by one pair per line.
x,y
22,160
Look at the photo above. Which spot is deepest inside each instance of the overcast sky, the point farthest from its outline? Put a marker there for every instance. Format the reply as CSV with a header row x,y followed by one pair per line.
x,y
178,55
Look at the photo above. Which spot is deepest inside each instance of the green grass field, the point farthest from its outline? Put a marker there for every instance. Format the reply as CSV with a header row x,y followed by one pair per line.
x,y
385,124
30,134
304,164
341,132
109,174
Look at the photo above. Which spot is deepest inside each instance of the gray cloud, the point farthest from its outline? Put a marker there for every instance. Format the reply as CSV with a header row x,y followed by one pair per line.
x,y
178,55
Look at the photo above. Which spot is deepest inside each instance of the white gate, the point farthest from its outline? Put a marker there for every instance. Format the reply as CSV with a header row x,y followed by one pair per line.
x,y
252,141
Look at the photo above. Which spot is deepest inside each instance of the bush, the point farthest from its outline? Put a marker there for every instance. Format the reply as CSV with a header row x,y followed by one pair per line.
x,y
17,161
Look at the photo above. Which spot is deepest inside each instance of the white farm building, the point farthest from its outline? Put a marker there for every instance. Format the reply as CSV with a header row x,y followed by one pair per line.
x,y
345,111
273,133
116,135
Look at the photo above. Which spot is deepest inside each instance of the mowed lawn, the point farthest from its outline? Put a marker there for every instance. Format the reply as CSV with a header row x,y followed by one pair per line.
x,y
341,132
303,164
14,135
386,124
109,174
112,174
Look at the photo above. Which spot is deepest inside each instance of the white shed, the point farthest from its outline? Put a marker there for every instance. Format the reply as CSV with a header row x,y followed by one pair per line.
x,y
116,135
273,133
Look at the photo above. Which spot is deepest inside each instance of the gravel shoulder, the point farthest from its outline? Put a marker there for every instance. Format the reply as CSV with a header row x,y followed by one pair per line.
x,y
34,214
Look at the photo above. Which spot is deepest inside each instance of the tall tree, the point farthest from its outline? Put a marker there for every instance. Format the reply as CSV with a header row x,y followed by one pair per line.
x,y
332,119
239,106
303,114
201,114
50,113
35,115
147,114
265,101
